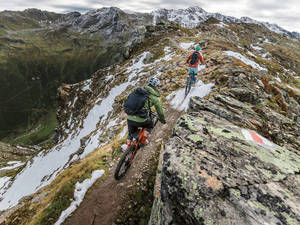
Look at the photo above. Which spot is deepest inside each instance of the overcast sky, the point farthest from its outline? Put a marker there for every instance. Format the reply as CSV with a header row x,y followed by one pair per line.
x,y
285,13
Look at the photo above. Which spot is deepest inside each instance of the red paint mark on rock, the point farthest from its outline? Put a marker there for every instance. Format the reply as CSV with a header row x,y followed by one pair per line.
x,y
256,138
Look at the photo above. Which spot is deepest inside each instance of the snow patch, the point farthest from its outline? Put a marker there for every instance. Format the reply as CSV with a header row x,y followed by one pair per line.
x,y
44,167
112,123
20,147
137,65
108,77
168,55
87,85
267,41
187,45
221,24
257,48
251,54
15,164
79,193
3,181
180,103
245,60
293,88
123,132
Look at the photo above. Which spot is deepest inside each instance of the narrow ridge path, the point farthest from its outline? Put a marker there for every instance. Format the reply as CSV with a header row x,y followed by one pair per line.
x,y
101,205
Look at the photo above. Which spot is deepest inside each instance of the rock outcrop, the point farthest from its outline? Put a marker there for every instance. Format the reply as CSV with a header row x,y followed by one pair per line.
x,y
217,171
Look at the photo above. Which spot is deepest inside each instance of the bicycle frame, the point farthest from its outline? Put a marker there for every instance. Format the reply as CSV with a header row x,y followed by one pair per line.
x,y
130,152
136,143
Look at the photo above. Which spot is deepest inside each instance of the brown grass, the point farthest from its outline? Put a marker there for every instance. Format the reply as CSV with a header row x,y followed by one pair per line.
x,y
278,97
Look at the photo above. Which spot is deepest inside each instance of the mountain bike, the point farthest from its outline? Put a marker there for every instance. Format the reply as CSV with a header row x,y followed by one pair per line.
x,y
128,156
189,83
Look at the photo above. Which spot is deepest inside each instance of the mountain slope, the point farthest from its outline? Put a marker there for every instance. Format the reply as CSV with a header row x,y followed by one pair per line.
x,y
194,16
41,50
255,72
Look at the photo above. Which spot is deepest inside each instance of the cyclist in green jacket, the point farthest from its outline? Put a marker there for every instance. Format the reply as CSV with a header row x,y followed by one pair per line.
x,y
135,121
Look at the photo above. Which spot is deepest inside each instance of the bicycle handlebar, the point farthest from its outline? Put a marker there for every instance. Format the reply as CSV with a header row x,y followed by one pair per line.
x,y
154,117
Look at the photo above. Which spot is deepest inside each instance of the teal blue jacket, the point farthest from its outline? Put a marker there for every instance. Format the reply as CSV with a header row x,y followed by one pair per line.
x,y
153,100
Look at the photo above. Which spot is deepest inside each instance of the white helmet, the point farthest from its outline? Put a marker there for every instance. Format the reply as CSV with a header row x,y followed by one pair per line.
x,y
154,82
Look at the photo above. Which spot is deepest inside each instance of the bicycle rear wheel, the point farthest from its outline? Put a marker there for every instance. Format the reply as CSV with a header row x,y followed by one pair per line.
x,y
124,163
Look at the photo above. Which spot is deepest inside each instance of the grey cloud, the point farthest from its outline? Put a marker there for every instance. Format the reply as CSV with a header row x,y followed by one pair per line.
x,y
270,4
272,11
67,8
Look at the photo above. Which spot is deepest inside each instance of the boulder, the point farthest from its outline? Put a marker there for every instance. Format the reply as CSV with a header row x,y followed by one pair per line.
x,y
216,172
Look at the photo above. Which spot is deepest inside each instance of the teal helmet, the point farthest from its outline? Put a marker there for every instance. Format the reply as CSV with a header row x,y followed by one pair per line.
x,y
197,48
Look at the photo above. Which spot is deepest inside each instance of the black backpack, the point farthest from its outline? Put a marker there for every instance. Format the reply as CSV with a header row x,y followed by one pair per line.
x,y
194,58
135,103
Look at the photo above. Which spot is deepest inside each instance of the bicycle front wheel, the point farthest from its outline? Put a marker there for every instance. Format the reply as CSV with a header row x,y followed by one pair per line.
x,y
188,86
124,163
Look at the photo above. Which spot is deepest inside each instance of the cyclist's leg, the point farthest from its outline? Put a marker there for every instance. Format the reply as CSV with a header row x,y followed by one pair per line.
x,y
148,124
189,74
194,75
132,130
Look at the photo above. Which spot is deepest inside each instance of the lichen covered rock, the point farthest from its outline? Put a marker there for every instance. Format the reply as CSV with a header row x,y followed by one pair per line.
x,y
217,172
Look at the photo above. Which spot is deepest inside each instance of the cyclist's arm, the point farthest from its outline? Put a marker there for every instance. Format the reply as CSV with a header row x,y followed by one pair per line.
x,y
201,59
159,110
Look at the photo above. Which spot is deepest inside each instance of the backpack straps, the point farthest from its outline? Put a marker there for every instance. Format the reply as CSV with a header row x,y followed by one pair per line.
x,y
150,112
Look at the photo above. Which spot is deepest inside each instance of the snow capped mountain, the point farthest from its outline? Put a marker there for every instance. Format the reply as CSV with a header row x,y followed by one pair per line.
x,y
243,69
194,16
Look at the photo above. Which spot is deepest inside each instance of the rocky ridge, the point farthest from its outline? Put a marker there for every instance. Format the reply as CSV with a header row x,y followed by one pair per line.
x,y
234,157
257,85
100,38
194,16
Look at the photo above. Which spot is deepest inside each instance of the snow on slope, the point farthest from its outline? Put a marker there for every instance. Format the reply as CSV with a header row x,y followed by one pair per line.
x,y
180,103
194,16
178,100
45,167
244,60
79,193
14,164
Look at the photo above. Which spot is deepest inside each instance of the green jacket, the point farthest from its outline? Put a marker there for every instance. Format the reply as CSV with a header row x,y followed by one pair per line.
x,y
153,99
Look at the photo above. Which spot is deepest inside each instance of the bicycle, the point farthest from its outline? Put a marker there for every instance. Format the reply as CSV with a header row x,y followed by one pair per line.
x,y
128,156
189,83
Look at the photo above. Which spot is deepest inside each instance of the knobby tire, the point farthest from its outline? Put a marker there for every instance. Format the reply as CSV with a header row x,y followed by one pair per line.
x,y
125,161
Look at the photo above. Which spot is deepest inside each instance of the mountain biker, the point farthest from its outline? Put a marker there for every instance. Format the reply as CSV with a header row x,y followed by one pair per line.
x,y
194,67
135,121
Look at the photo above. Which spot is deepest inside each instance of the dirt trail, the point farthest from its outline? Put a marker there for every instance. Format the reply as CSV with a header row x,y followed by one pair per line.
x,y
101,205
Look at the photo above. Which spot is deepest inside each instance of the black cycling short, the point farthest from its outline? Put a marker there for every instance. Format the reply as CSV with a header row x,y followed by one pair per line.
x,y
133,127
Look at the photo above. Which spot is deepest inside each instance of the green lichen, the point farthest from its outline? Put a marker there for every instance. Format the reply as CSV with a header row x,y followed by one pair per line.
x,y
224,132
235,192
286,161
258,205
250,168
195,138
189,123
271,176
201,120
198,211
290,220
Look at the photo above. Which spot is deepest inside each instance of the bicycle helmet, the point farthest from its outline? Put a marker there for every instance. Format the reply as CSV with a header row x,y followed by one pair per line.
x,y
197,48
154,82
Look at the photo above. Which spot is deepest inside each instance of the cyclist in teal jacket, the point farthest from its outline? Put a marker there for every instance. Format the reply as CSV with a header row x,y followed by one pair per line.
x,y
194,68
